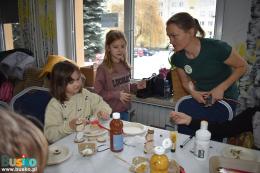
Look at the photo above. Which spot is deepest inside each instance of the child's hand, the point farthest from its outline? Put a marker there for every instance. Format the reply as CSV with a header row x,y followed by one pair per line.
x,y
125,97
72,122
103,115
180,118
141,84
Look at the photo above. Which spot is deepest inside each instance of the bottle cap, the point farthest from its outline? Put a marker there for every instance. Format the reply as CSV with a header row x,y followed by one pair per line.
x,y
159,150
167,143
116,115
203,133
204,125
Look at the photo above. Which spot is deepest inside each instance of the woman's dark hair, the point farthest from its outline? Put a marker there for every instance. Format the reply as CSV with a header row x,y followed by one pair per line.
x,y
185,22
60,77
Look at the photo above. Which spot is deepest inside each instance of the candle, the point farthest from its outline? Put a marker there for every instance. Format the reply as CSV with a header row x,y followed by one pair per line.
x,y
173,137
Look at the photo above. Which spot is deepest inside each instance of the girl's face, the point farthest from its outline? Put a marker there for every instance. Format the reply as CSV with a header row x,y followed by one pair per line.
x,y
74,86
178,37
117,50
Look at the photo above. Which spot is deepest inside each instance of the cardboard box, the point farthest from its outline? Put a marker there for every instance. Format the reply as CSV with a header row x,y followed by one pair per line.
x,y
90,73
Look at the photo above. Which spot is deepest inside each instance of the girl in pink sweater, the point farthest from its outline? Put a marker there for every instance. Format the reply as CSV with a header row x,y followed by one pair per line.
x,y
113,75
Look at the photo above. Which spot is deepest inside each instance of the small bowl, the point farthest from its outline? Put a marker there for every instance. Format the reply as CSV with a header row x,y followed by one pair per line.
x,y
139,165
87,149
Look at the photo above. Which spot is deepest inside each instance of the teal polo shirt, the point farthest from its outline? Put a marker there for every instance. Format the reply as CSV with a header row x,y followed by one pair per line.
x,y
208,69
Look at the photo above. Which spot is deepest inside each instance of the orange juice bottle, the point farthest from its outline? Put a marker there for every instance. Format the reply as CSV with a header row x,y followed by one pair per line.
x,y
116,133
159,162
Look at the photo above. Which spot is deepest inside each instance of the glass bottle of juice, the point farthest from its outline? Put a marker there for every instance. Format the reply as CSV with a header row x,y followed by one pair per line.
x,y
116,133
159,162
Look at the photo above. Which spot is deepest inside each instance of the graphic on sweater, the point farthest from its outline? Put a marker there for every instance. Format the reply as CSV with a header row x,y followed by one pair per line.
x,y
121,80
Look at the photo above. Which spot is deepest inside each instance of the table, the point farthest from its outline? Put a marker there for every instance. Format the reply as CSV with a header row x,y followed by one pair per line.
x,y
106,162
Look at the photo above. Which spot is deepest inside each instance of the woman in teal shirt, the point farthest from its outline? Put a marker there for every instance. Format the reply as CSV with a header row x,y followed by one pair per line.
x,y
206,67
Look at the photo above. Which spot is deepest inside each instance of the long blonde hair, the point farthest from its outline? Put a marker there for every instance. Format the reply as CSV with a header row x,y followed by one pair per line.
x,y
112,36
20,137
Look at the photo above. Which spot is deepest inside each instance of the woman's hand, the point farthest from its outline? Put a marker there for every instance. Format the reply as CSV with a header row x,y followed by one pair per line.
x,y
141,84
180,118
199,96
125,97
217,94
103,115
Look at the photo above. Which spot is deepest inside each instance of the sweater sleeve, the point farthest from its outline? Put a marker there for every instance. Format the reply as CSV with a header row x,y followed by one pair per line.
x,y
97,104
55,126
100,85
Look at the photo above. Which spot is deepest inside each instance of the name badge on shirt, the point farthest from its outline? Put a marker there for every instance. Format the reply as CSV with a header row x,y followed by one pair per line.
x,y
188,69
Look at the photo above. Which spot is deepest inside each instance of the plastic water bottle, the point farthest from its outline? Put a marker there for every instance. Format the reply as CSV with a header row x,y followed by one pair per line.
x,y
167,89
202,140
116,133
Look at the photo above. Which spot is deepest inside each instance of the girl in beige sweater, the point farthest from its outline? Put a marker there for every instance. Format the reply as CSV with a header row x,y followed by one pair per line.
x,y
70,102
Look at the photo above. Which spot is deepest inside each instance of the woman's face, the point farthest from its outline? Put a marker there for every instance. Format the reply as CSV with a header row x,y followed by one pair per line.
x,y
74,86
117,50
178,37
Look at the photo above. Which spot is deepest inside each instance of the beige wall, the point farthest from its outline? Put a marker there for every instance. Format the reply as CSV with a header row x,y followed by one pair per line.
x,y
79,32
8,36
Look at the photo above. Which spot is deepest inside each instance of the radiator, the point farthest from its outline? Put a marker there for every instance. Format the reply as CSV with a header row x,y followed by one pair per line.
x,y
151,115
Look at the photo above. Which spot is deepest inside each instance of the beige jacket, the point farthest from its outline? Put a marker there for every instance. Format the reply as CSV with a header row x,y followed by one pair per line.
x,y
58,116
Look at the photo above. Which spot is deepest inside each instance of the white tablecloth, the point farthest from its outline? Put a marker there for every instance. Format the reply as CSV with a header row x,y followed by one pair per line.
x,y
105,162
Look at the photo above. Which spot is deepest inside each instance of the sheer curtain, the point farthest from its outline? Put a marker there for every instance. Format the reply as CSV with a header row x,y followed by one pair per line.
x,y
38,28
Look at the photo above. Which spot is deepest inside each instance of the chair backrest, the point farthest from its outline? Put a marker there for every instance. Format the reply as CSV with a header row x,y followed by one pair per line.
x,y
180,106
219,112
3,105
31,101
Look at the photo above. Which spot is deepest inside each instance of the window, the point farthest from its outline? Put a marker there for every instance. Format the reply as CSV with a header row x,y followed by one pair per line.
x,y
150,40
145,22
99,17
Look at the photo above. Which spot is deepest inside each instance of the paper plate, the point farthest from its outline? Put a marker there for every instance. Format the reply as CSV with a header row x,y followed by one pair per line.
x,y
134,128
92,131
241,153
57,154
